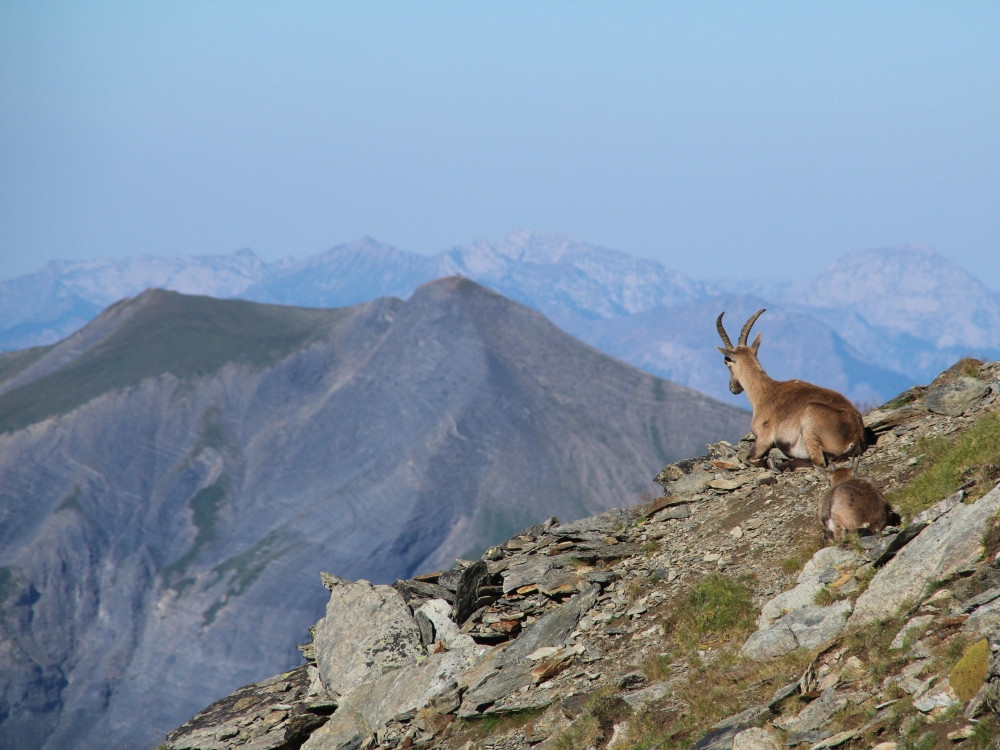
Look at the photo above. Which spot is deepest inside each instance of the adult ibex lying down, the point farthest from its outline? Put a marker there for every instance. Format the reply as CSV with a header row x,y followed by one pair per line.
x,y
809,424
852,504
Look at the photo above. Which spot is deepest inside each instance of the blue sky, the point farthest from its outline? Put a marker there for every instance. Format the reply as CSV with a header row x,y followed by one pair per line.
x,y
755,139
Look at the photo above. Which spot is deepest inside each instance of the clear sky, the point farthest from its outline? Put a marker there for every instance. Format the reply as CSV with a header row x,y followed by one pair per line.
x,y
722,138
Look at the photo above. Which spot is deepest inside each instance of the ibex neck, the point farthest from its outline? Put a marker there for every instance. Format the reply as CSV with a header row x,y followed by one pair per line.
x,y
754,380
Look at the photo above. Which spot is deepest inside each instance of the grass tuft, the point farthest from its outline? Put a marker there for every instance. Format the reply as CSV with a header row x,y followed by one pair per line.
x,y
718,610
948,463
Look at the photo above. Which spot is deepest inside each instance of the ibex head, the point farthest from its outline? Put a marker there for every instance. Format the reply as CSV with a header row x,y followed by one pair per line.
x,y
735,355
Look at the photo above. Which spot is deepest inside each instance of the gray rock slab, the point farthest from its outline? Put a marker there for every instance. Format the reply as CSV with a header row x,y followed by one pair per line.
x,y
552,628
719,739
416,590
822,567
502,683
687,485
603,523
374,703
805,627
816,714
756,738
473,578
525,573
983,620
446,632
639,698
261,716
942,549
980,599
673,512
939,508
956,396
366,630
915,626
887,548
514,668
591,553
556,581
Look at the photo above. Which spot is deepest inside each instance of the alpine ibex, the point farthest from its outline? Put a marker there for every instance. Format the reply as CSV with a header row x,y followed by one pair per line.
x,y
852,504
809,424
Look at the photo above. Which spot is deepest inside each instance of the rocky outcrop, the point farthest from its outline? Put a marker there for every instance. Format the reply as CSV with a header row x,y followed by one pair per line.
x,y
558,628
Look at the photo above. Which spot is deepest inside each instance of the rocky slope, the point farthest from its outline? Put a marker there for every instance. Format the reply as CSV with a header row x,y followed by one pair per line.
x,y
710,617
174,477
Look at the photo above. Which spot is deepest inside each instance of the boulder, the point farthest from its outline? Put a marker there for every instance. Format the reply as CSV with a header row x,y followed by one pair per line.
x,y
367,631
390,695
805,627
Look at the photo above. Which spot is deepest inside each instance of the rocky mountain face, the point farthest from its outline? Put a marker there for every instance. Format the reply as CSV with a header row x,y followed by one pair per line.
x,y
711,617
175,475
878,321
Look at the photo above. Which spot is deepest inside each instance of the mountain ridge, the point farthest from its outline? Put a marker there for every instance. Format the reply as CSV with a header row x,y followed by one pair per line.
x,y
582,287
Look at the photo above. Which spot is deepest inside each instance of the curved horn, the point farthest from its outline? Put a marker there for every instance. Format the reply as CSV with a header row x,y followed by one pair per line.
x,y
722,331
749,324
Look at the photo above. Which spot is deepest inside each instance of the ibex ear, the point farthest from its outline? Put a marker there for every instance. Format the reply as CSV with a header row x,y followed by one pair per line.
x,y
756,343
725,352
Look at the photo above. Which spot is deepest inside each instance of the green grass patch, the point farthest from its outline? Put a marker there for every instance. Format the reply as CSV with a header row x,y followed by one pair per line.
x,y
825,597
971,457
204,512
987,729
187,336
246,567
658,668
871,645
243,569
969,673
595,725
718,610
72,501
710,693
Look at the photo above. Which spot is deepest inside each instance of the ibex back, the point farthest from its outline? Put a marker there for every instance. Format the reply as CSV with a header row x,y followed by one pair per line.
x,y
809,424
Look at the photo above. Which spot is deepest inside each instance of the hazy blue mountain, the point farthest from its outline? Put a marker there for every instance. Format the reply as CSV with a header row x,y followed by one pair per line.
x,y
175,475
877,320
907,306
570,280
346,275
46,306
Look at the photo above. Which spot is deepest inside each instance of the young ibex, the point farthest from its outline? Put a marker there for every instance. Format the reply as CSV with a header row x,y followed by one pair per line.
x,y
852,504
809,424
